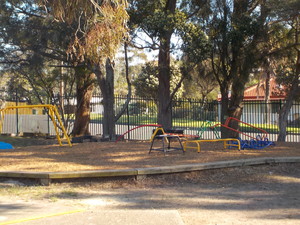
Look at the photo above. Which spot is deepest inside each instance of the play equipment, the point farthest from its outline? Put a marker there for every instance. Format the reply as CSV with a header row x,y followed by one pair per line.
x,y
159,134
257,142
145,125
166,138
186,143
226,125
207,126
52,112
4,145
172,132
227,143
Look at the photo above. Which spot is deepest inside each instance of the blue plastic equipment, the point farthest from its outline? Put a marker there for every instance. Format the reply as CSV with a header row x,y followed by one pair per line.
x,y
4,145
257,143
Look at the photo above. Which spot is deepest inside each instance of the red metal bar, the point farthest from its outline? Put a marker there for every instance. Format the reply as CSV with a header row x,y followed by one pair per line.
x,y
146,125
219,124
232,118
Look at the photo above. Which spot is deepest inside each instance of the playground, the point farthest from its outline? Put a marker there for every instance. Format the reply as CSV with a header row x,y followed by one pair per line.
x,y
123,155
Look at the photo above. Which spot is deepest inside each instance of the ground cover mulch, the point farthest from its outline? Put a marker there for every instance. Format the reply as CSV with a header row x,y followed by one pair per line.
x,y
124,155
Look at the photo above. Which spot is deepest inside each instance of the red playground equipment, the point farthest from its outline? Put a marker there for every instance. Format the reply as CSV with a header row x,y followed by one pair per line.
x,y
169,132
258,142
146,125
226,125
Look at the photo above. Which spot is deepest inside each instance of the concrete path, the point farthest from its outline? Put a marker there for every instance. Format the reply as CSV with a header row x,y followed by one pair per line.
x,y
108,217
251,204
259,195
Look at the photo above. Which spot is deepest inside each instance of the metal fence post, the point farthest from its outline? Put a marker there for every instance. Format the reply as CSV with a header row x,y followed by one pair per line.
x,y
128,121
17,112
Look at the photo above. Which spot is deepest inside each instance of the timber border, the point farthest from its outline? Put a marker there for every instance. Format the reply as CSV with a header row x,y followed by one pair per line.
x,y
45,178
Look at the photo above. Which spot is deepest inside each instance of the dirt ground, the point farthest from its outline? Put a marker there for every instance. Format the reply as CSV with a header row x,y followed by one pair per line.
x,y
267,194
124,155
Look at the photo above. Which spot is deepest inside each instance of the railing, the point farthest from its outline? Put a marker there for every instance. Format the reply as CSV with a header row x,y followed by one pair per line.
x,y
191,115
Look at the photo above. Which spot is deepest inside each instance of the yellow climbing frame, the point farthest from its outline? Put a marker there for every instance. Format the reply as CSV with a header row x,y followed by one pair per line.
x,y
52,111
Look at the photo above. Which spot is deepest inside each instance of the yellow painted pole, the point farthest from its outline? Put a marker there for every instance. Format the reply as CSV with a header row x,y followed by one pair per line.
x,y
155,132
51,114
2,111
61,124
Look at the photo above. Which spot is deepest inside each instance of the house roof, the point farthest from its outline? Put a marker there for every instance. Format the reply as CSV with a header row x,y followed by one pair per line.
x,y
257,91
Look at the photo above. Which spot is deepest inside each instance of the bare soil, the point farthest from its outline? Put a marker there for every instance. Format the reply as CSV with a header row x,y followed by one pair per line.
x,y
124,155
267,194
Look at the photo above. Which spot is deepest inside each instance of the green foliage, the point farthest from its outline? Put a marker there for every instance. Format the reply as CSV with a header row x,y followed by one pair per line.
x,y
196,46
101,27
146,84
30,48
201,82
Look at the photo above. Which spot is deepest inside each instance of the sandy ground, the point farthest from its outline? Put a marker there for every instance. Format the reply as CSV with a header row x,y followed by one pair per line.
x,y
268,194
124,155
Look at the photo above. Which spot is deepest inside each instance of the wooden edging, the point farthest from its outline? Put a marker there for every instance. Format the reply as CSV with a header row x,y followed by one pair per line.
x,y
46,177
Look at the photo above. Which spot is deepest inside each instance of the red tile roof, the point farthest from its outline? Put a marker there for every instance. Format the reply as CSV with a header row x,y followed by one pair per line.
x,y
257,92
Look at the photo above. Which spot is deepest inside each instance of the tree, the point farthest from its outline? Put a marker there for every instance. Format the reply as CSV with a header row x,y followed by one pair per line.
x,y
160,21
202,82
157,19
289,70
146,83
32,56
101,27
235,29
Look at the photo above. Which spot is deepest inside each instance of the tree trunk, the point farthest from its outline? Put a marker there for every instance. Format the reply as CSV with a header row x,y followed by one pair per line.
x,y
85,85
267,98
236,105
224,108
241,64
106,84
164,95
164,76
125,106
284,112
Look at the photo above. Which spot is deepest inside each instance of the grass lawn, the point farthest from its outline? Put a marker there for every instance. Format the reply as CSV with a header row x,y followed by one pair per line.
x,y
25,141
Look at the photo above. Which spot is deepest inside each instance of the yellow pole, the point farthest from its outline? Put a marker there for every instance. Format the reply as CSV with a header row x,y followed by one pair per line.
x,y
51,114
155,132
61,124
2,119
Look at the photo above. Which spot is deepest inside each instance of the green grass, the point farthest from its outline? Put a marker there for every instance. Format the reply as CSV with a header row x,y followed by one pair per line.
x,y
26,141
53,192
17,141
196,124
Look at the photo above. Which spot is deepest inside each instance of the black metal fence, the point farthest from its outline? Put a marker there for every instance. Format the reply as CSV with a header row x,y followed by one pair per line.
x,y
193,116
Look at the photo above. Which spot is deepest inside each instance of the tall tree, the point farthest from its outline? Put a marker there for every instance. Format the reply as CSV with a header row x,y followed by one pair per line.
x,y
101,27
157,20
236,29
146,83
289,68
29,53
160,21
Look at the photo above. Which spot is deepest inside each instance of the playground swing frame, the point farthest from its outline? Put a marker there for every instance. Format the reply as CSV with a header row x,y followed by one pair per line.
x,y
52,112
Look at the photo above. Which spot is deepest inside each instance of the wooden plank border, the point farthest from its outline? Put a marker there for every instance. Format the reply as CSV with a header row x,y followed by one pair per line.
x,y
46,177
